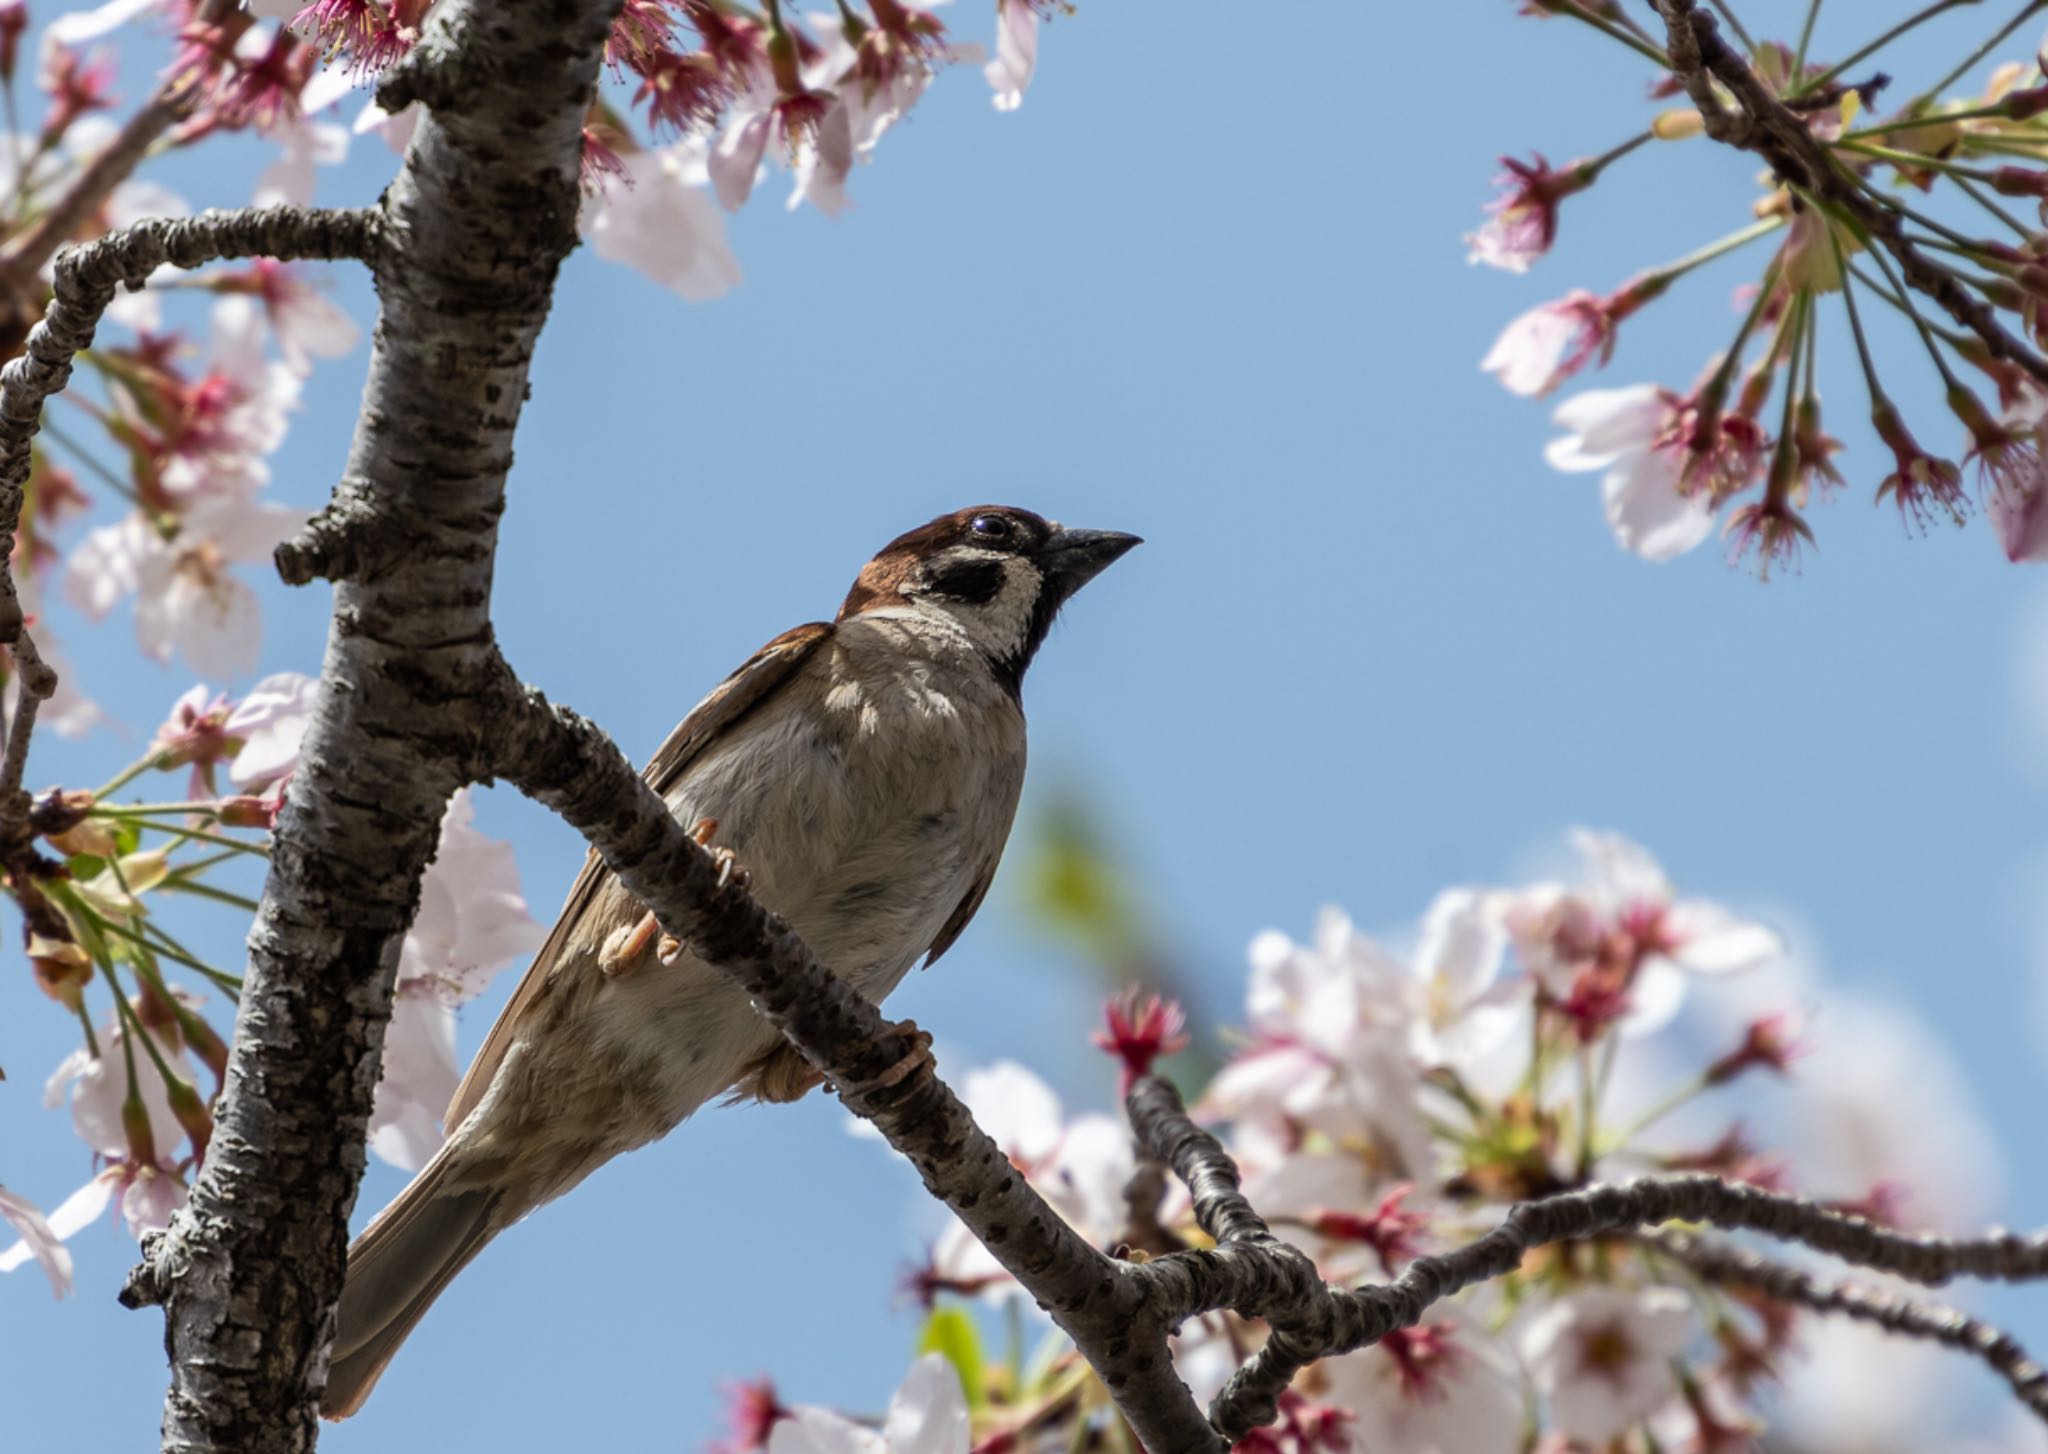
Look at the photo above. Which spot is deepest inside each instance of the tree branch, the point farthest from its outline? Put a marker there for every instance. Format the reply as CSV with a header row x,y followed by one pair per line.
x,y
468,240
1952,1328
1764,125
1117,1315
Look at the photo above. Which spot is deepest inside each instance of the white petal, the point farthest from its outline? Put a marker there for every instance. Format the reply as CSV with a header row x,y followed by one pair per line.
x,y
929,1413
1713,941
81,26
1604,423
1647,513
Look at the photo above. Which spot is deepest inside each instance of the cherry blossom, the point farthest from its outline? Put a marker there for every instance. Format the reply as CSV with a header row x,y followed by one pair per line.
x,y
2016,495
1602,1356
1462,1010
304,321
269,722
928,1415
1620,431
1524,220
1080,1167
1330,1023
187,600
195,733
472,922
1447,1387
37,1240
1619,944
660,219
1016,58
1551,342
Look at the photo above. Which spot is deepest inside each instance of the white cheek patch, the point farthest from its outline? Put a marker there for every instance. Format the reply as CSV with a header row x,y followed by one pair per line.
x,y
996,627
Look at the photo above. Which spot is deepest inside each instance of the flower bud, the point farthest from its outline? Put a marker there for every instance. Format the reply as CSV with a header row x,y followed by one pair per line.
x,y
63,969
1678,124
246,811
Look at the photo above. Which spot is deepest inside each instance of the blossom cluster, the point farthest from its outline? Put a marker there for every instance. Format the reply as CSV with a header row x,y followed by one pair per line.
x,y
1870,235
1384,1102
102,913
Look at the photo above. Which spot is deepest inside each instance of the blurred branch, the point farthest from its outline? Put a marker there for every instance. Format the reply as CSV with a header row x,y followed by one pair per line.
x,y
1931,1322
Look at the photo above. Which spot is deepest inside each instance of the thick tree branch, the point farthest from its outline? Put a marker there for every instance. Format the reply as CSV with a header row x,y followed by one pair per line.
x,y
1728,1266
469,239
1765,125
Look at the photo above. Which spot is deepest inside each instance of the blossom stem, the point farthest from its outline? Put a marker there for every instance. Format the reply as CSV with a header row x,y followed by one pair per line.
x,y
134,1115
92,466
1877,393
1677,1099
1904,122
1614,32
156,941
1916,19
199,835
208,891
1913,159
92,1039
173,1082
152,762
1805,36
188,1018
1970,61
144,810
1926,334
1587,1104
1993,208
1720,247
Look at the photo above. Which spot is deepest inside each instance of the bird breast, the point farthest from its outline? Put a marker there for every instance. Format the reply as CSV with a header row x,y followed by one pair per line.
x,y
866,799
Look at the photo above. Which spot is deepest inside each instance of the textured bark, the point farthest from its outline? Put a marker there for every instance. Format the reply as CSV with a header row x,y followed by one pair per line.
x,y
474,228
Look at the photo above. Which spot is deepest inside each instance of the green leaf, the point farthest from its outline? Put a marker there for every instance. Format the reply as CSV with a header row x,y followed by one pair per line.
x,y
950,1332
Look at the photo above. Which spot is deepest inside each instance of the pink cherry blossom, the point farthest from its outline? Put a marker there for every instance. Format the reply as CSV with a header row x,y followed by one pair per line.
x,y
2016,476
1602,1356
472,922
37,1240
187,601
1142,1028
1551,342
1622,431
928,1415
196,733
1016,58
659,218
1524,220
307,147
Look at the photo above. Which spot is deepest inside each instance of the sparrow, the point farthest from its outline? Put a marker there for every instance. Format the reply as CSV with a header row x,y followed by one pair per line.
x,y
863,773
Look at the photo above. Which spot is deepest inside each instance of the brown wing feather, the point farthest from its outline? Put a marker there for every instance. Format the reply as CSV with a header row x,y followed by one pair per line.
x,y
728,702
955,926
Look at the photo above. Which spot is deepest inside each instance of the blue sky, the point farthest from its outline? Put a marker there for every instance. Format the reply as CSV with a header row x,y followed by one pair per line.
x,y
1207,285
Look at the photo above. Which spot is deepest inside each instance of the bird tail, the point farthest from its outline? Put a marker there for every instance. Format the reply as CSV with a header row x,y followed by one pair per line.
x,y
396,1269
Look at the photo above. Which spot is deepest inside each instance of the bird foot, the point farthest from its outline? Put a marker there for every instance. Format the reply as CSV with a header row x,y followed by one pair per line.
x,y
729,870
627,945
920,1055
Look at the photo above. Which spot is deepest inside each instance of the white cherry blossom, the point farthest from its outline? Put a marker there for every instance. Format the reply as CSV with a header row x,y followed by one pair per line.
x,y
270,722
1617,430
1602,1356
472,922
660,219
37,1240
1447,1387
1016,58
928,1415
187,600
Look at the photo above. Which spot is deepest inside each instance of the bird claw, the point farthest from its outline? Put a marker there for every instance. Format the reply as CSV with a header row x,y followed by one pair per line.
x,y
626,946
729,871
919,1056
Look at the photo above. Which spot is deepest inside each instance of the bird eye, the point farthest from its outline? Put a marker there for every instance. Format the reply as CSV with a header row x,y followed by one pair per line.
x,y
990,527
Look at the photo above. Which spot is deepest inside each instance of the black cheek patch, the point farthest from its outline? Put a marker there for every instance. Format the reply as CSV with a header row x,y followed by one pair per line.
x,y
975,582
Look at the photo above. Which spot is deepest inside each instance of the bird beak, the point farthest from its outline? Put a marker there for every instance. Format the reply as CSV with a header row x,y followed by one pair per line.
x,y
1072,558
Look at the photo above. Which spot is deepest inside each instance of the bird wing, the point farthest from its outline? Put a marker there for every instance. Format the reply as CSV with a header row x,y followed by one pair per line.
x,y
956,925
728,703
